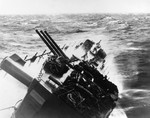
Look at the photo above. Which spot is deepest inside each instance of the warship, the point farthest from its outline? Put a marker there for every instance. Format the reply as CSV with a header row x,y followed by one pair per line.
x,y
66,87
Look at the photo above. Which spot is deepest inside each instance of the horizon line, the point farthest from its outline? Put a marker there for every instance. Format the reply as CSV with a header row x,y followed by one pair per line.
x,y
123,13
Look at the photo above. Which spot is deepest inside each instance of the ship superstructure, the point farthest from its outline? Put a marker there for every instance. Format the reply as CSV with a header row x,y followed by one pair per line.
x,y
66,87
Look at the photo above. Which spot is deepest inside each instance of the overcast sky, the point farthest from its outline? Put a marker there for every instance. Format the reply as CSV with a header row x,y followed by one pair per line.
x,y
73,6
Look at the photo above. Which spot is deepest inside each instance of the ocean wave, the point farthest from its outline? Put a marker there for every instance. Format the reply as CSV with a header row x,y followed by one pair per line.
x,y
117,25
2,47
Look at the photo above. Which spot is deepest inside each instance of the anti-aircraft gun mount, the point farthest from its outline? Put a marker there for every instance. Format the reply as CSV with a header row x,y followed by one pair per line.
x,y
83,93
86,89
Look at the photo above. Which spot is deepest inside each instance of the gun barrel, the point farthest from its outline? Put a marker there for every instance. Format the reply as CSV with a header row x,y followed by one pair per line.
x,y
50,43
55,45
46,42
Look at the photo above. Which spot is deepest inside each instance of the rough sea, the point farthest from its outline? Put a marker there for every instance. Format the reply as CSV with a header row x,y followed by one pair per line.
x,y
124,37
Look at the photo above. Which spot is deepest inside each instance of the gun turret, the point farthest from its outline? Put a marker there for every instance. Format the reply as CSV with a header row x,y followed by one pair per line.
x,y
85,88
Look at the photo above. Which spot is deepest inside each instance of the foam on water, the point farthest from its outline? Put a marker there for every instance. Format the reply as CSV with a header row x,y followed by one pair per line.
x,y
118,112
112,72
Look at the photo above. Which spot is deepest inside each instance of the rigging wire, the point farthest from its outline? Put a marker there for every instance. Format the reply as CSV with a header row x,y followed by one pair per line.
x,y
15,106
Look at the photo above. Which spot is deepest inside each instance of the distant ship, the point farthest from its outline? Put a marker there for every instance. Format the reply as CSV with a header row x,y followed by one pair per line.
x,y
65,87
